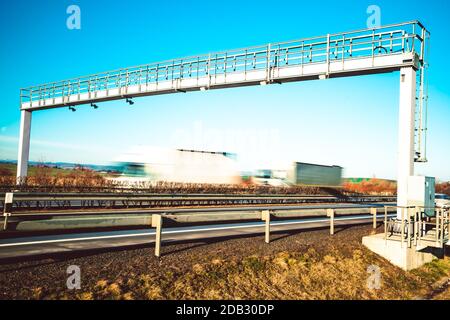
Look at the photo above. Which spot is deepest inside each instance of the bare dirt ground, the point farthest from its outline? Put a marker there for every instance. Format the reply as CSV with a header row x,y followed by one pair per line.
x,y
303,265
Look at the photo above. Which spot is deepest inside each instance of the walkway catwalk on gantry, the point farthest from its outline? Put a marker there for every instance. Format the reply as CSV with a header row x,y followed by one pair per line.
x,y
399,47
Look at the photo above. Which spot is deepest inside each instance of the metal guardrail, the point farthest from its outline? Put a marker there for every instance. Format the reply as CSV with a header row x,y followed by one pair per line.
x,y
156,218
267,215
368,43
102,201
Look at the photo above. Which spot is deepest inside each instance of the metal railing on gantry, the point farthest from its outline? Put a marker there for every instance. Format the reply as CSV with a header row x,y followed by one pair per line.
x,y
247,66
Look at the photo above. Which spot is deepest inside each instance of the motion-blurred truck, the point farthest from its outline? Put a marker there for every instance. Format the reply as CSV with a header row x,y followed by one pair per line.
x,y
314,175
153,164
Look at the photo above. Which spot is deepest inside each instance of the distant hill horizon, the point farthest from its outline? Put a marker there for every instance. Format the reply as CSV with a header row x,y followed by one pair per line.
x,y
66,165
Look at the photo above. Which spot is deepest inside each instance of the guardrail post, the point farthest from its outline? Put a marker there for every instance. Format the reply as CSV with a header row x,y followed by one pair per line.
x,y
373,212
7,208
157,223
265,216
330,213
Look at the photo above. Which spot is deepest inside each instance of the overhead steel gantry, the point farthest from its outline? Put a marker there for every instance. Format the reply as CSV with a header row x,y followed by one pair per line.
x,y
398,47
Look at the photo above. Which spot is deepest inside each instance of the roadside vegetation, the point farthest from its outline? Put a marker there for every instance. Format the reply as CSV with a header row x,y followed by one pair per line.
x,y
382,187
371,186
53,179
292,276
48,179
443,187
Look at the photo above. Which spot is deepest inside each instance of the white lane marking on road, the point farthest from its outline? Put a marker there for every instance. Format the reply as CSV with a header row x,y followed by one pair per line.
x,y
179,231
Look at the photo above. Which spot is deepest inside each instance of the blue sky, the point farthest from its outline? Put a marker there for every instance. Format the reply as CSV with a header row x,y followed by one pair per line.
x,y
350,122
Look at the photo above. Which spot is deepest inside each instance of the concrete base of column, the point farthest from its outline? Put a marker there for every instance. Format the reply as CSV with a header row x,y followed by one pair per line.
x,y
403,257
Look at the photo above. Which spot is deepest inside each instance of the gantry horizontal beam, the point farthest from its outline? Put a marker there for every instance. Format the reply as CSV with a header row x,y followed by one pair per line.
x,y
360,52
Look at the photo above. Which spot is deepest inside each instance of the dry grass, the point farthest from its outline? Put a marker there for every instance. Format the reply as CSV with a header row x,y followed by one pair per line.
x,y
45,176
285,275
384,187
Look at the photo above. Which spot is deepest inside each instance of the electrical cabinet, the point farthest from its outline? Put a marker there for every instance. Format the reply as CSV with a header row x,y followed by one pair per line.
x,y
421,193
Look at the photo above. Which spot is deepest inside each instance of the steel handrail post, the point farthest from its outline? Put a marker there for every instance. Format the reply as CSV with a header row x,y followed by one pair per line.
x,y
408,226
402,210
268,63
328,54
442,227
437,226
421,226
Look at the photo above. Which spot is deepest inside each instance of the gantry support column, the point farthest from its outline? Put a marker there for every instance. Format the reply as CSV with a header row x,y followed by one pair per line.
x,y
405,166
24,145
